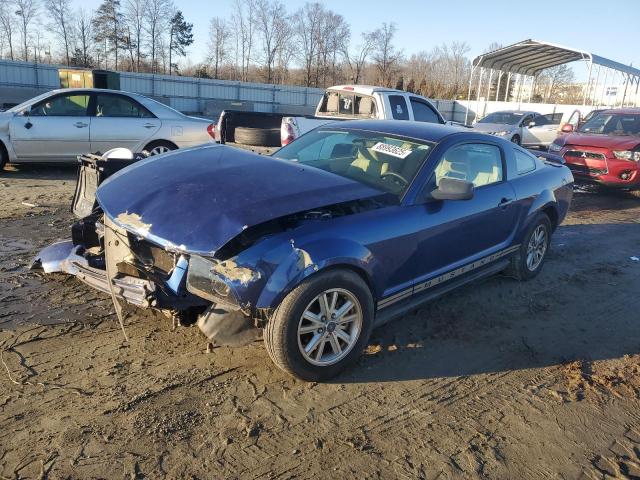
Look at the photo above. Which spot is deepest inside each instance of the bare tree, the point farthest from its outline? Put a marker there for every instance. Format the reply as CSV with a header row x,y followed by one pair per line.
x,y
555,83
273,26
244,21
61,22
27,12
7,19
134,11
357,59
83,36
386,57
218,33
307,27
156,20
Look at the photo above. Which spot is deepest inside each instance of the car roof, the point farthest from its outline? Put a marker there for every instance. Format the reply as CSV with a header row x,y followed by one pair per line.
x,y
524,112
363,89
430,132
635,111
103,90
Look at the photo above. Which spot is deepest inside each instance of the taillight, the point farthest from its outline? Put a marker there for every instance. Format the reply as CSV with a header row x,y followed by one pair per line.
x,y
211,130
286,134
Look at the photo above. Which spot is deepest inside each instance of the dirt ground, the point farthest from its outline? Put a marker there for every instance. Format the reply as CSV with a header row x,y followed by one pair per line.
x,y
500,380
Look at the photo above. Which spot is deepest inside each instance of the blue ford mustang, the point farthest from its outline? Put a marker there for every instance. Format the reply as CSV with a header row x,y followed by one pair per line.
x,y
351,225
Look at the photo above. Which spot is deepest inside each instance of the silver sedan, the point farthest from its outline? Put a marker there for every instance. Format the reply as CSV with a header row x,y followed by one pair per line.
x,y
61,124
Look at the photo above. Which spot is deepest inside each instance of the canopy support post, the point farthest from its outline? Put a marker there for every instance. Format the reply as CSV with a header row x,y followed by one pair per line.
x,y
584,98
506,90
489,86
500,73
466,112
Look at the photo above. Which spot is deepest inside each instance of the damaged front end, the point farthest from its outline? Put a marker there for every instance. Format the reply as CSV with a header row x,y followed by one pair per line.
x,y
177,233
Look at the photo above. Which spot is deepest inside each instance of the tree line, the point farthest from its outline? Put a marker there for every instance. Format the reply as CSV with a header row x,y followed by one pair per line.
x,y
260,41
131,35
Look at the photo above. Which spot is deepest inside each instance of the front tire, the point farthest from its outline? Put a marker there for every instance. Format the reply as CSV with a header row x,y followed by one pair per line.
x,y
321,326
528,260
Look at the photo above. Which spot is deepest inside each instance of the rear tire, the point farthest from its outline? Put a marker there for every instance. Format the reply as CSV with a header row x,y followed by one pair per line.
x,y
257,137
528,260
300,320
159,147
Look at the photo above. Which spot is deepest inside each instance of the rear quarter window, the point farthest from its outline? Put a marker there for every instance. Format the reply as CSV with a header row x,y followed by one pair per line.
x,y
525,162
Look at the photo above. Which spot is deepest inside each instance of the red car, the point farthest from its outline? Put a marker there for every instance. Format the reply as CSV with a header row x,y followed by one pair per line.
x,y
605,150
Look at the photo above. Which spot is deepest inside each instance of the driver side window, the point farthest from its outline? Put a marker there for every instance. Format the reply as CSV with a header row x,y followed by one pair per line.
x,y
480,164
62,106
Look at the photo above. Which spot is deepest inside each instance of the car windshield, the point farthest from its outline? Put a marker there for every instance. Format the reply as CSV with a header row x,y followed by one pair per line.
x,y
382,161
613,124
505,118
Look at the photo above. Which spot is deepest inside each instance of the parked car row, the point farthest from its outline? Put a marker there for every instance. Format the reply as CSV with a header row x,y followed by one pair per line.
x,y
341,230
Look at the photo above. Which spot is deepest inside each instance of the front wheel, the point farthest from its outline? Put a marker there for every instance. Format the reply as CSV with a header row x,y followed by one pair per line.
x,y
528,260
322,326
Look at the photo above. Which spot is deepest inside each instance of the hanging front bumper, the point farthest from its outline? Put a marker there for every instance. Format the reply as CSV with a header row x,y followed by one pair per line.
x,y
64,257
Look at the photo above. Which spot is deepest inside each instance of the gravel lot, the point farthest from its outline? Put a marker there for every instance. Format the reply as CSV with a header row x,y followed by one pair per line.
x,y
497,380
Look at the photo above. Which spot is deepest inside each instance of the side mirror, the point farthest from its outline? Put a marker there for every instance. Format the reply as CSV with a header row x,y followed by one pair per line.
x,y
453,189
532,124
567,128
26,112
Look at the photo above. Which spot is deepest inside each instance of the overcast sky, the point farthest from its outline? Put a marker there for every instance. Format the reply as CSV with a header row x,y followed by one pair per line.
x,y
608,28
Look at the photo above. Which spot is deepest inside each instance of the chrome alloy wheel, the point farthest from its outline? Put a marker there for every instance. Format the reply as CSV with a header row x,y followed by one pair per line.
x,y
537,247
159,149
329,327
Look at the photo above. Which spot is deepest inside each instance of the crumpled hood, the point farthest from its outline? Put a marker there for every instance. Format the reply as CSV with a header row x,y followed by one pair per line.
x,y
614,142
197,200
493,127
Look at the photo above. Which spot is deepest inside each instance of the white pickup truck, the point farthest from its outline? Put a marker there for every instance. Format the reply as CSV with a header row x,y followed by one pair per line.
x,y
349,102
344,102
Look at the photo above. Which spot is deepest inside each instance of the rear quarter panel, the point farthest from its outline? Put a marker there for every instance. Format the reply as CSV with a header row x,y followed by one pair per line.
x,y
550,187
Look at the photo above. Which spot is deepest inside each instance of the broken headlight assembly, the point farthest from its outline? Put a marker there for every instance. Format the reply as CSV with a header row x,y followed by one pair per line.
x,y
202,280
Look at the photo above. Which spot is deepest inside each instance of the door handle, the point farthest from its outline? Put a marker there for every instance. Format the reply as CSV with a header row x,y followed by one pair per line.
x,y
149,125
505,202
80,124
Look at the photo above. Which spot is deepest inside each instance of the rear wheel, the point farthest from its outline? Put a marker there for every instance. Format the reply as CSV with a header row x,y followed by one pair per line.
x,y
160,146
322,326
530,257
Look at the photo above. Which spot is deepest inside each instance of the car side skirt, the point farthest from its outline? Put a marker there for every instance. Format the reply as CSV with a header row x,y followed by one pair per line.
x,y
392,306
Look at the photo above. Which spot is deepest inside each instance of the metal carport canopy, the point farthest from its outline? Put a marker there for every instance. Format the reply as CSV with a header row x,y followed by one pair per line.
x,y
530,57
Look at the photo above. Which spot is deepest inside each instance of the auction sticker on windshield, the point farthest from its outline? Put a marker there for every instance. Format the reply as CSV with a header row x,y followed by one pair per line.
x,y
392,150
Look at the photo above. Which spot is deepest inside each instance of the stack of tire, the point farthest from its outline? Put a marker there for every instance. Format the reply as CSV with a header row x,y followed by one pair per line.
x,y
257,137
